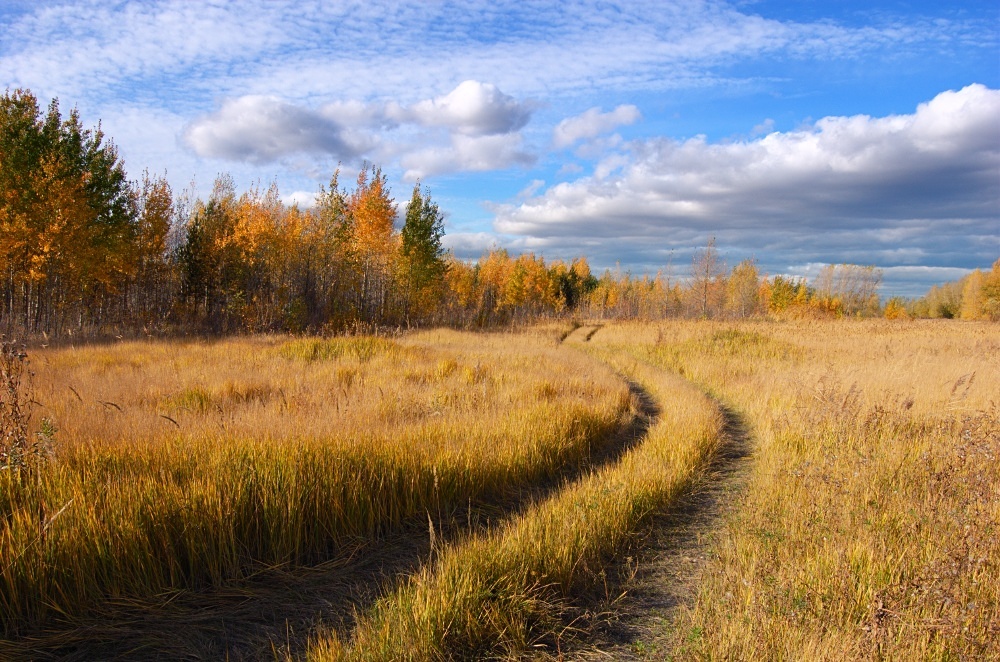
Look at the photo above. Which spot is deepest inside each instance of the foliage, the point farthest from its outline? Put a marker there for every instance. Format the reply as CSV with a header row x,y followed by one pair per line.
x,y
67,217
423,256
973,297
85,251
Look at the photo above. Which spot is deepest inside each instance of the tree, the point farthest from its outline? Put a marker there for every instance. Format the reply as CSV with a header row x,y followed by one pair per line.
x,y
372,212
991,292
67,216
152,285
707,281
743,290
423,256
849,289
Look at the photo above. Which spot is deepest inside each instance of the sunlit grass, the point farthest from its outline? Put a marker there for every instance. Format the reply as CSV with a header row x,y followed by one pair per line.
x,y
187,464
868,527
501,594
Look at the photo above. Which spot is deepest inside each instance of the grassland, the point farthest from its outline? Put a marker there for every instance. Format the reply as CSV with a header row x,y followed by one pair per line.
x,y
866,526
504,593
184,465
869,524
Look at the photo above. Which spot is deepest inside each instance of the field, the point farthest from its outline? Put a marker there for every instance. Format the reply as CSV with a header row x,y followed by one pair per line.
x,y
447,495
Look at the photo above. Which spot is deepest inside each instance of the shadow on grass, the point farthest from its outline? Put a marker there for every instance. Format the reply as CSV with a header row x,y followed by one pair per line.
x,y
272,614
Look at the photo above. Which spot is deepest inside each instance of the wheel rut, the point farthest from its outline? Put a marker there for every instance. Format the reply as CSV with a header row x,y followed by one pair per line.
x,y
645,592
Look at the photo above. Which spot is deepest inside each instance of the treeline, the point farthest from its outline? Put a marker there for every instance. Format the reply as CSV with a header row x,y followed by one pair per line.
x,y
715,292
974,297
84,250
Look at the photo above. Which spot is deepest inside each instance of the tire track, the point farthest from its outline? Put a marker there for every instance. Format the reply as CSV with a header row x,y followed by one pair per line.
x,y
635,621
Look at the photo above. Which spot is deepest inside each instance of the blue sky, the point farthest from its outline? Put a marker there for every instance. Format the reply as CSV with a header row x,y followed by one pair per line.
x,y
797,133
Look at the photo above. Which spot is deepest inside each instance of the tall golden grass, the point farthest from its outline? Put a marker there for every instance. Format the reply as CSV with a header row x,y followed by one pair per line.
x,y
501,594
186,464
868,527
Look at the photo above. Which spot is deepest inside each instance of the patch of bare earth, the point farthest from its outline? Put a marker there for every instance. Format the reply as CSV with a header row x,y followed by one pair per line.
x,y
635,619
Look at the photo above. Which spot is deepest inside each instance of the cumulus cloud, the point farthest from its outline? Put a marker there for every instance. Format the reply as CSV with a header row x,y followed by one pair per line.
x,y
472,108
260,129
927,182
473,128
592,124
467,153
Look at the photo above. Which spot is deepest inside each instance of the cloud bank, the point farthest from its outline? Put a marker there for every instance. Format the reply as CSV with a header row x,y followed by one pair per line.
x,y
900,188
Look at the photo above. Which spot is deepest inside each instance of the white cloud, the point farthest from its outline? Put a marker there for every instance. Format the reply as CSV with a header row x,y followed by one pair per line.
x,y
764,128
472,108
592,124
470,245
927,182
479,122
409,49
466,153
261,129
531,189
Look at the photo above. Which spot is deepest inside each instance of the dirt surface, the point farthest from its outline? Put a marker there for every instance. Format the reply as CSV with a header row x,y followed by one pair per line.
x,y
636,623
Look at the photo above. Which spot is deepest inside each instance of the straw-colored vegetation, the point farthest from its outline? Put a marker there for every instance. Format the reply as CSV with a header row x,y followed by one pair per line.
x,y
869,526
502,594
187,464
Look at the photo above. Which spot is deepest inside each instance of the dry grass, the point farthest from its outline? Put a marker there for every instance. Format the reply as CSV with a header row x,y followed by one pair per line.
x,y
502,594
870,524
188,464
868,527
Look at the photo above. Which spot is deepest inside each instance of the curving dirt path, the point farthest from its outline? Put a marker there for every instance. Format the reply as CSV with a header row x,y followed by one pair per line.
x,y
635,620
664,571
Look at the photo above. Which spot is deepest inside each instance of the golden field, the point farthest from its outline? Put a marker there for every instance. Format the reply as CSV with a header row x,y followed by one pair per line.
x,y
181,465
866,526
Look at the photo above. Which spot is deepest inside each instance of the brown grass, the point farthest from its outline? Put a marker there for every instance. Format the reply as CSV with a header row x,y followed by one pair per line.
x,y
869,524
191,464
503,593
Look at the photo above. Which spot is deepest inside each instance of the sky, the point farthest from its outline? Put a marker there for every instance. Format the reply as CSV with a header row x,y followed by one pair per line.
x,y
797,134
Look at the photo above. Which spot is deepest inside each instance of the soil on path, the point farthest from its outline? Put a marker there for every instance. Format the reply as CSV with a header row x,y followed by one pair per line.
x,y
664,572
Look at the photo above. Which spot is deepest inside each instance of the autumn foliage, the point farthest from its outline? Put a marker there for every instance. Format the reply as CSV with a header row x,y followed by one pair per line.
x,y
85,250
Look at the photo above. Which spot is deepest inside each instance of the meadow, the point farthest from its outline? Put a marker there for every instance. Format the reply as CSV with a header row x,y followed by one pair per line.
x,y
868,525
531,464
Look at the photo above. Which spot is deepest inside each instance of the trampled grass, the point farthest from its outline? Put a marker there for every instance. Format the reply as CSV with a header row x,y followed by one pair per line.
x,y
187,464
869,527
